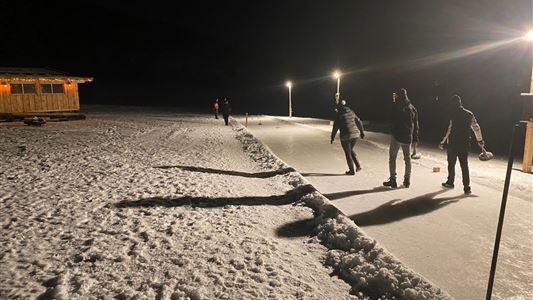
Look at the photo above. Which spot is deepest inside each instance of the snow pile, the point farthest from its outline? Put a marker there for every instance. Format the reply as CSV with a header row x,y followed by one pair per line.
x,y
368,267
149,205
372,271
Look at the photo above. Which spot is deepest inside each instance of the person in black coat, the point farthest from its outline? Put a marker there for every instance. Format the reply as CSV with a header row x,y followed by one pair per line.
x,y
226,110
404,132
351,128
461,123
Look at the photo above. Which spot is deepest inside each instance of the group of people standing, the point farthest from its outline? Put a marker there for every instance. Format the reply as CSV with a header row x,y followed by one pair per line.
x,y
405,135
224,107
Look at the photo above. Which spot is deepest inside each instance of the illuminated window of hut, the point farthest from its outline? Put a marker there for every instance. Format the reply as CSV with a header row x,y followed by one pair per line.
x,y
28,88
16,88
58,88
46,88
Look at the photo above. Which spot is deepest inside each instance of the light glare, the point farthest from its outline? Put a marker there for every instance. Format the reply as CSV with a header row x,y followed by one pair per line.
x,y
289,84
529,36
336,74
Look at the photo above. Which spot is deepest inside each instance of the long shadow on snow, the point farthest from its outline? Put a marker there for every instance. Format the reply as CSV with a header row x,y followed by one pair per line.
x,y
232,173
287,198
386,213
345,194
395,210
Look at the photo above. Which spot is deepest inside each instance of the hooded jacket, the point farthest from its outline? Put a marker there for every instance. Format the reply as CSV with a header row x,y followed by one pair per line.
x,y
404,122
348,123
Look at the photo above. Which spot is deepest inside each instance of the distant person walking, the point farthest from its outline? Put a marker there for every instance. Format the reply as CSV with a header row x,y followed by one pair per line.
x,y
226,110
461,123
351,128
215,107
404,132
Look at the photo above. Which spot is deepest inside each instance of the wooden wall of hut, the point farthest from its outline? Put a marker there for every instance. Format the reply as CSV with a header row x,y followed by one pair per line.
x,y
39,101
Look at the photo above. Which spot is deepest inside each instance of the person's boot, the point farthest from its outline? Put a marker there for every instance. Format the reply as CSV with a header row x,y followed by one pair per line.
x,y
448,185
392,183
350,172
406,182
358,169
467,190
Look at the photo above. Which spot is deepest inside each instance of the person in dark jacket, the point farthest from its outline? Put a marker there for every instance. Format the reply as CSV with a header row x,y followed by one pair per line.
x,y
404,132
351,128
226,110
461,123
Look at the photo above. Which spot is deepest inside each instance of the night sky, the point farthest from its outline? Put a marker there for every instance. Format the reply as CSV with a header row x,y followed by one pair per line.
x,y
155,53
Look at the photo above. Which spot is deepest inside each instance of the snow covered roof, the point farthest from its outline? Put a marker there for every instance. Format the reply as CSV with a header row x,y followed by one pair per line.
x,y
31,74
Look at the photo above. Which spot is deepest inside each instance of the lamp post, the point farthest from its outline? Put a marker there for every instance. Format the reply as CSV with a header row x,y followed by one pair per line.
x,y
289,85
528,153
337,75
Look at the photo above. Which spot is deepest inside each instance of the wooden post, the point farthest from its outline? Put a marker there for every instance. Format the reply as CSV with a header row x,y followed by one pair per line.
x,y
528,148
246,123
290,101
528,142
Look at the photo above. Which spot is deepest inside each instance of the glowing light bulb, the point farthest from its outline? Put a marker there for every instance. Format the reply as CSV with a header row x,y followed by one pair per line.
x,y
529,36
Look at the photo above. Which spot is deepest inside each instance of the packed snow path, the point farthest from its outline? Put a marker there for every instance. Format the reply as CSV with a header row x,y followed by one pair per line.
x,y
441,234
137,204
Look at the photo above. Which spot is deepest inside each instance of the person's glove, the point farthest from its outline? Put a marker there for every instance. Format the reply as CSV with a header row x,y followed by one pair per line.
x,y
362,135
481,144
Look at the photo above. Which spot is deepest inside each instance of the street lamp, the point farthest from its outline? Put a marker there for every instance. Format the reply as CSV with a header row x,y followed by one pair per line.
x,y
526,163
289,85
529,36
337,75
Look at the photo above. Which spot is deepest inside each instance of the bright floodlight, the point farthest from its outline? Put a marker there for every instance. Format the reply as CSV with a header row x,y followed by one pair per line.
x,y
336,74
289,84
529,36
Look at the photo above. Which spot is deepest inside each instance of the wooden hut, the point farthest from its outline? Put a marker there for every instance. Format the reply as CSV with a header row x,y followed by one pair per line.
x,y
36,91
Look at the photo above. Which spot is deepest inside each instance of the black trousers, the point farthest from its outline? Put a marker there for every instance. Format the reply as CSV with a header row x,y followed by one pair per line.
x,y
351,157
462,155
226,118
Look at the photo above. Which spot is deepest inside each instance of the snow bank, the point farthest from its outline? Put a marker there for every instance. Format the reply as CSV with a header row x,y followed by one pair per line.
x,y
358,259
149,205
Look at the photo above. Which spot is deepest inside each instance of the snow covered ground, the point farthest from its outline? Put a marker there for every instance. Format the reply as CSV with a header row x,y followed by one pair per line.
x,y
135,204
438,232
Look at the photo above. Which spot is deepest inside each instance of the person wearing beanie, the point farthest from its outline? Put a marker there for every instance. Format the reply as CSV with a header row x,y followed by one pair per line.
x,y
226,110
351,128
404,132
461,123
